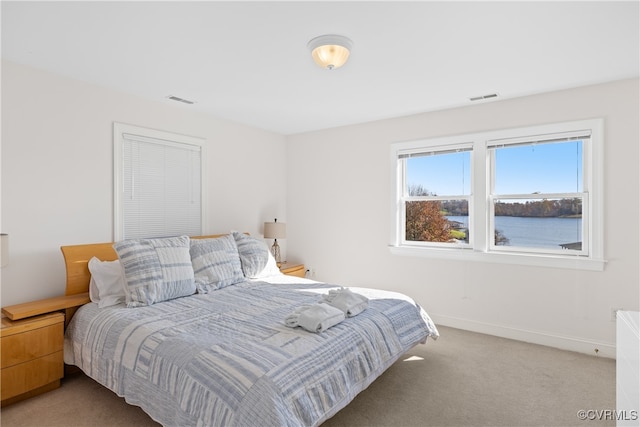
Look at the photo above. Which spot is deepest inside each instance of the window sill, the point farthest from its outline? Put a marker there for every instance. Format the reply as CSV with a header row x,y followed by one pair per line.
x,y
537,260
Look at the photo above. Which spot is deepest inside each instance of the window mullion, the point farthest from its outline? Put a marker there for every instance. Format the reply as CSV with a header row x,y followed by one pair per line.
x,y
481,178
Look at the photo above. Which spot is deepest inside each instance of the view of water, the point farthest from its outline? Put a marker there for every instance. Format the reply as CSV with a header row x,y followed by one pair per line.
x,y
535,232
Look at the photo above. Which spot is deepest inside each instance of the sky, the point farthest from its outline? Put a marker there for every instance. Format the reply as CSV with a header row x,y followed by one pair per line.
x,y
522,169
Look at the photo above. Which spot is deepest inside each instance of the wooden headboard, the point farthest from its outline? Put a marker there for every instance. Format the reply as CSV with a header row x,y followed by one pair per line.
x,y
76,261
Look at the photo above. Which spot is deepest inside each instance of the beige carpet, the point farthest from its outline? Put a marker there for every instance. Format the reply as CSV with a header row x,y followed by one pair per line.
x,y
462,379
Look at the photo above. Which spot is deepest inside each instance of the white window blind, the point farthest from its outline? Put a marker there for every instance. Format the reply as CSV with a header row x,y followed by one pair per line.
x,y
159,184
540,139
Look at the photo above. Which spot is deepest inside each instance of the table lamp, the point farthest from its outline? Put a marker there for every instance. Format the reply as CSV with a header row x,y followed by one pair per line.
x,y
275,230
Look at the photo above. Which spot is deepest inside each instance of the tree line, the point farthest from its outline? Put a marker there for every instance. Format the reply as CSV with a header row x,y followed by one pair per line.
x,y
536,208
541,208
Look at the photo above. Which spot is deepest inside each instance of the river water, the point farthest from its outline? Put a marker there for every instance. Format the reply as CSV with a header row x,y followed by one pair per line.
x,y
535,232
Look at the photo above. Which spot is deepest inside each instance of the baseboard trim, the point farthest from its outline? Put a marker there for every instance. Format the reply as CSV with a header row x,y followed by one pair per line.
x,y
535,337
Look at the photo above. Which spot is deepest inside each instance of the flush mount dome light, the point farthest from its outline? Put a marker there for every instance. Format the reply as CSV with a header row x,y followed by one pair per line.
x,y
330,51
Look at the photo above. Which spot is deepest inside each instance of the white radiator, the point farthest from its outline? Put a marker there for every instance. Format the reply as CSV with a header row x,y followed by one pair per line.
x,y
628,368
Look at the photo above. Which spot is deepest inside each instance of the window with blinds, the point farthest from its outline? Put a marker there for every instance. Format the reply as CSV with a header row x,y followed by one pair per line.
x,y
525,195
537,202
437,195
158,183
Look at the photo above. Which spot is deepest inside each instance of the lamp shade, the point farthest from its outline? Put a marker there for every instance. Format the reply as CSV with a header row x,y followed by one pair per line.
x,y
330,51
4,250
275,230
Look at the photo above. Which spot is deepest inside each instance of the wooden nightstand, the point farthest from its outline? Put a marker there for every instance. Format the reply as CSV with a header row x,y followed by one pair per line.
x,y
32,361
31,345
293,269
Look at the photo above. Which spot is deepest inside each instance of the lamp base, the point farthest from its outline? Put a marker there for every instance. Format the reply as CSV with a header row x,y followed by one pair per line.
x,y
275,251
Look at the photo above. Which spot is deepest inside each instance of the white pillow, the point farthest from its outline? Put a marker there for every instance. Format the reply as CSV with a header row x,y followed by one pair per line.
x,y
271,269
107,282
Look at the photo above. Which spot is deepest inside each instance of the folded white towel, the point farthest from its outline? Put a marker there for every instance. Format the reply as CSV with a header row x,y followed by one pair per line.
x,y
349,302
315,318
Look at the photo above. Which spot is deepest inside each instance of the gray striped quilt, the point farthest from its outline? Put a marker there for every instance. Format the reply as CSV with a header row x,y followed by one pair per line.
x,y
227,359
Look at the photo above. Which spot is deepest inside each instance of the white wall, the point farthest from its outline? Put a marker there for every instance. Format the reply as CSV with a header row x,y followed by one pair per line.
x,y
57,171
338,222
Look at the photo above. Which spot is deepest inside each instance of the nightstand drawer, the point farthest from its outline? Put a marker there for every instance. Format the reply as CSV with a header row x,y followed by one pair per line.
x,y
31,352
31,375
30,339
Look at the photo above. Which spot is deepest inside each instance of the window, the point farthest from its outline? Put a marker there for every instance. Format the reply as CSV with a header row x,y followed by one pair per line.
x,y
158,183
537,197
528,196
436,194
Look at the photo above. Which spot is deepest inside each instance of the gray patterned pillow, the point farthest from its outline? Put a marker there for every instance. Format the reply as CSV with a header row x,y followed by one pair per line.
x,y
156,270
254,254
216,263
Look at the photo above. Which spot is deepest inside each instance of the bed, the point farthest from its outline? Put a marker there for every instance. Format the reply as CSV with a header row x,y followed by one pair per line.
x,y
223,354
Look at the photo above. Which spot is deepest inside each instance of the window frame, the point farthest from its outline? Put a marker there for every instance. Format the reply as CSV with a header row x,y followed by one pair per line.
x,y
171,139
481,246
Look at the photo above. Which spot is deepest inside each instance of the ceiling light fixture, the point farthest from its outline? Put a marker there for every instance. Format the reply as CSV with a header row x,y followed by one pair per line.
x,y
330,51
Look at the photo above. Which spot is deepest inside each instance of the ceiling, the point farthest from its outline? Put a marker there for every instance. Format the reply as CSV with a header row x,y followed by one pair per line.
x,y
248,61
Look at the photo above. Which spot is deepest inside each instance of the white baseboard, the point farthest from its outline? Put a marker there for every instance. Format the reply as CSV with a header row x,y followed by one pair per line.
x,y
536,337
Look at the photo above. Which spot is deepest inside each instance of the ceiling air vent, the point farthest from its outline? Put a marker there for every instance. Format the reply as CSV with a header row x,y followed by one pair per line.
x,y
175,98
478,98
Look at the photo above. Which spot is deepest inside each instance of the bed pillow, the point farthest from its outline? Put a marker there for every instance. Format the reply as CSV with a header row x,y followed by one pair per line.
x,y
156,270
255,257
216,263
107,282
